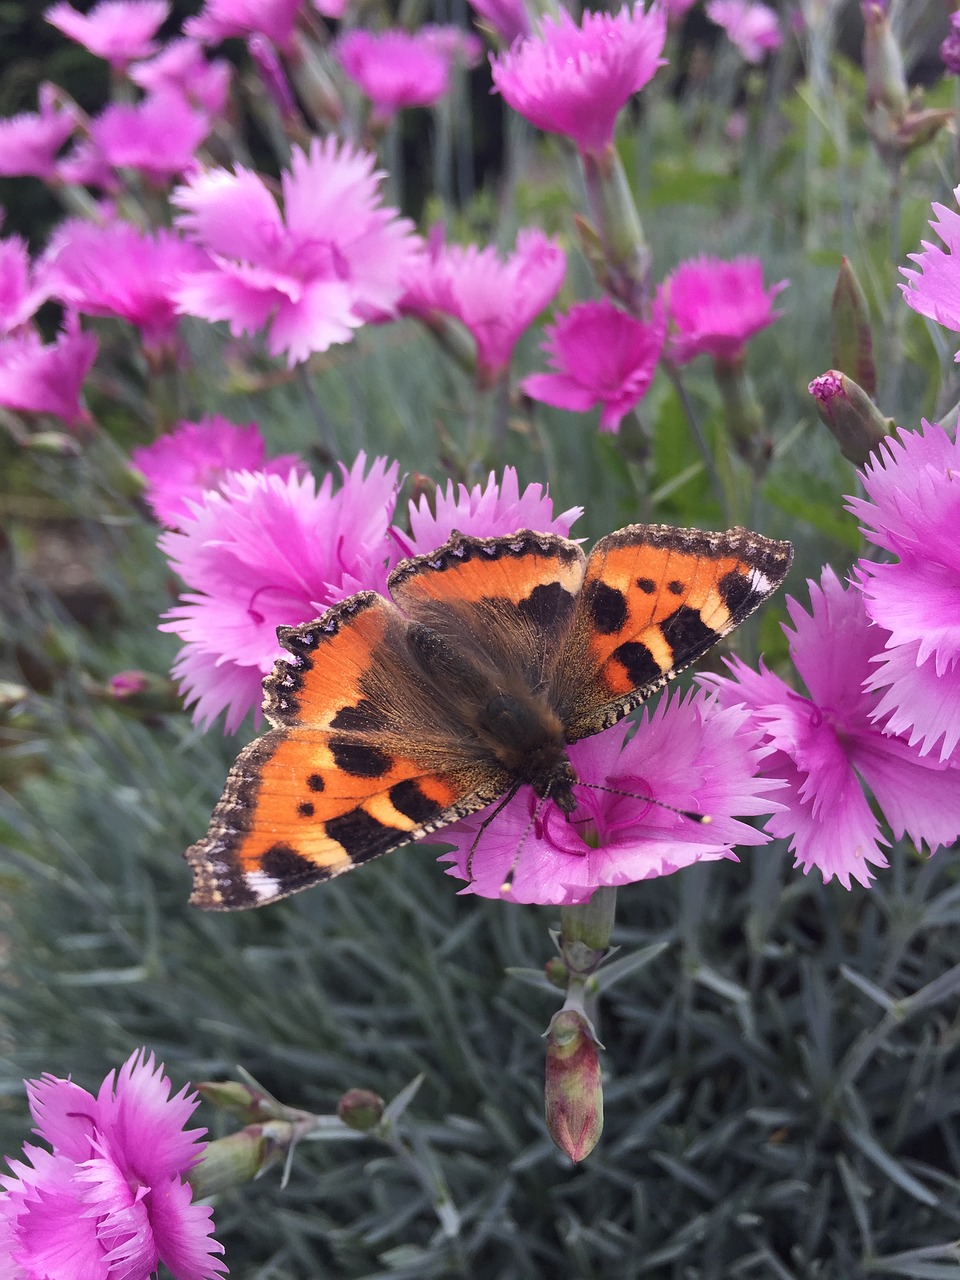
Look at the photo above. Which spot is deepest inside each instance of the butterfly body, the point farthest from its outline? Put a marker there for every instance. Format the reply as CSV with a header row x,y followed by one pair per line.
x,y
394,718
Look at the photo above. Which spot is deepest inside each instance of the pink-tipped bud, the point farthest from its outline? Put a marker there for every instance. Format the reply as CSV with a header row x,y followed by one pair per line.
x,y
273,76
360,1109
852,418
573,1090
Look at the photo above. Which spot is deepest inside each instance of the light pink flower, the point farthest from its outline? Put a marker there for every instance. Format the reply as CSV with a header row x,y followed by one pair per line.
x,y
753,28
495,298
221,19
675,9
22,289
912,511
268,551
158,136
508,18
394,69
482,512
109,1202
38,377
459,47
311,272
934,290
331,8
196,456
715,306
182,66
689,753
828,748
85,165
599,355
117,30
574,80
114,269
29,142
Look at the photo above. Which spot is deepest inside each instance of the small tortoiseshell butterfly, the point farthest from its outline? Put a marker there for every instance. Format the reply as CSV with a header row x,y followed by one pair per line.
x,y
393,718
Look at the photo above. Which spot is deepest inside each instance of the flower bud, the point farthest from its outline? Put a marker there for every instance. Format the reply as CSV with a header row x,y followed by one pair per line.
x,y
853,419
239,1157
144,691
360,1109
882,60
556,973
851,337
240,1099
573,1091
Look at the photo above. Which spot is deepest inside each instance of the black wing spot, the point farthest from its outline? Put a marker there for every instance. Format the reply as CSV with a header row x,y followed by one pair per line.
x,y
363,718
686,632
409,799
647,585
305,809
676,587
547,605
638,662
282,862
361,835
315,782
359,759
608,607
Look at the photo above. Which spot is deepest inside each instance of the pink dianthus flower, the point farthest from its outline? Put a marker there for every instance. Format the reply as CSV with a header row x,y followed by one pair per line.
x,y
29,142
117,30
573,79
115,269
934,290
267,551
312,272
110,1200
196,456
182,66
38,377
912,511
599,355
221,19
508,18
158,136
487,511
394,68
22,288
827,747
689,753
715,306
753,28
495,298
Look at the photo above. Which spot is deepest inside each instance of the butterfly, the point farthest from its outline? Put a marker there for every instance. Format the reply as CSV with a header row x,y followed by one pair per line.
x,y
392,718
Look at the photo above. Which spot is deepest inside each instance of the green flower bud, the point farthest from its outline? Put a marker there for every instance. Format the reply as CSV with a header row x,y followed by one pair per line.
x,y
360,1109
239,1157
573,1090
853,419
851,337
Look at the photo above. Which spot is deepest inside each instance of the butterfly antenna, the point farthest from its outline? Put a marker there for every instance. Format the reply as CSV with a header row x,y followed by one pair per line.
x,y
702,818
486,822
509,878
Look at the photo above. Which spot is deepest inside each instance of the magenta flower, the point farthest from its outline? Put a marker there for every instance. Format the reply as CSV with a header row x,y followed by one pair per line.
x,y
109,1201
689,753
394,69
158,136
753,28
268,551
828,748
221,19
331,8
115,269
182,66
460,48
950,48
117,30
47,378
911,511
934,290
599,355
482,512
29,142
196,456
574,80
22,289
715,306
508,18
311,272
495,298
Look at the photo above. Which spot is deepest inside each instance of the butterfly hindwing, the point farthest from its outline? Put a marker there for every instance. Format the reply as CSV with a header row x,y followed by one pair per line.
x,y
654,600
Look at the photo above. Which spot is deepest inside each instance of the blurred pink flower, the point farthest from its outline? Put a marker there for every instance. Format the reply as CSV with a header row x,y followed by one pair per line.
x,y
183,67
715,306
117,30
22,288
508,18
459,47
196,456
676,9
47,378
574,80
912,511
393,68
950,48
109,1199
331,8
158,136
483,512
495,298
689,753
267,551
313,271
221,19
29,142
115,269
600,355
934,290
753,28
827,747
85,165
